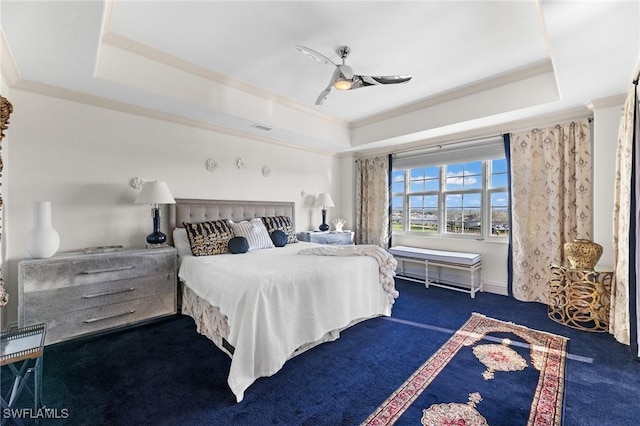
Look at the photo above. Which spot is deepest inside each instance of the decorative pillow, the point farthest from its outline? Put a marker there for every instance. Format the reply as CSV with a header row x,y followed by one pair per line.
x,y
181,241
238,245
255,233
279,238
281,223
209,238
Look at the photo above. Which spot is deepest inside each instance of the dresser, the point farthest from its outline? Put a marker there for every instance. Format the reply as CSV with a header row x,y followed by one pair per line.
x,y
77,294
326,237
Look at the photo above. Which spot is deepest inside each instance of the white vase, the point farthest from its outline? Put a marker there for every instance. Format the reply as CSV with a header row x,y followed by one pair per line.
x,y
42,240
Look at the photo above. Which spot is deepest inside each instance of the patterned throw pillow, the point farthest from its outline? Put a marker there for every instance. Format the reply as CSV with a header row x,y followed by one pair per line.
x,y
255,233
209,238
281,223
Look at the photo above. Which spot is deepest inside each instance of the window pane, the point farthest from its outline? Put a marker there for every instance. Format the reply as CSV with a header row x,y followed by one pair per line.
x,y
464,176
425,179
499,173
500,214
397,181
397,214
499,180
416,186
464,214
423,213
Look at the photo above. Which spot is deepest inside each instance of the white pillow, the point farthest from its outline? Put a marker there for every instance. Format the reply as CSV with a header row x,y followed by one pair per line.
x,y
255,232
181,242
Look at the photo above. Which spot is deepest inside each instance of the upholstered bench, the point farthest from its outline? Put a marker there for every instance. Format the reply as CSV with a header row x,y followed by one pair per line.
x,y
434,260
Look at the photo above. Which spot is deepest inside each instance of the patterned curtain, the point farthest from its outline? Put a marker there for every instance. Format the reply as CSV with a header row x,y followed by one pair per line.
x,y
551,201
5,111
372,201
624,319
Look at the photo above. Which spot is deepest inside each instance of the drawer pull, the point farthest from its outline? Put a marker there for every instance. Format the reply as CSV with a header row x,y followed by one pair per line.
x,y
107,293
100,271
91,320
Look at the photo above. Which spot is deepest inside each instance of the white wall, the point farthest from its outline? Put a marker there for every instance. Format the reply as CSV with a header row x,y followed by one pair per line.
x,y
605,140
82,159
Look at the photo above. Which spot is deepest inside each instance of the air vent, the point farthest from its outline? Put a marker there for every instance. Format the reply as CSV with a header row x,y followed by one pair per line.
x,y
261,127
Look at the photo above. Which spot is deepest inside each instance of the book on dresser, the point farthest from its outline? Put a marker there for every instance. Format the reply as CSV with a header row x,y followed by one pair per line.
x,y
78,294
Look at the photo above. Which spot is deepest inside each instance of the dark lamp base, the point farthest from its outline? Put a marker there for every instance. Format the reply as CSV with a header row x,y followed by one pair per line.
x,y
324,226
156,238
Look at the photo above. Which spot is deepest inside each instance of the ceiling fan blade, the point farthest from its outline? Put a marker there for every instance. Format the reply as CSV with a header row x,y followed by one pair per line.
x,y
323,96
325,93
346,71
372,80
315,55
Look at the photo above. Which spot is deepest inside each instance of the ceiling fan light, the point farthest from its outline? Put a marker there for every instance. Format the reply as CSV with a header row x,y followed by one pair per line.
x,y
343,84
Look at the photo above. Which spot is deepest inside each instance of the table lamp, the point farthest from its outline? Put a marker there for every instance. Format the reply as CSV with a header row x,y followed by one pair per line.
x,y
324,200
155,193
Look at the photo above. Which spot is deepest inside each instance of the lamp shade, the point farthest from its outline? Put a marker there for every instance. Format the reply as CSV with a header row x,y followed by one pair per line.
x,y
324,200
155,193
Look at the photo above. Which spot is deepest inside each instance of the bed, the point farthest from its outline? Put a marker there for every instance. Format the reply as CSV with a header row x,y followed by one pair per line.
x,y
267,305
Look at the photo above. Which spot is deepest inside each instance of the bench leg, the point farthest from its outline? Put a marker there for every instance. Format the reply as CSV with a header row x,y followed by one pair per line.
x,y
426,274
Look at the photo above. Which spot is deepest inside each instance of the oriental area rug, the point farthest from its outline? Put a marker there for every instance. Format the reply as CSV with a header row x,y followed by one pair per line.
x,y
489,372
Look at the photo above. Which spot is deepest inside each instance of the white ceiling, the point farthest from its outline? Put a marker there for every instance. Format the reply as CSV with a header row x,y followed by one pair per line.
x,y
228,65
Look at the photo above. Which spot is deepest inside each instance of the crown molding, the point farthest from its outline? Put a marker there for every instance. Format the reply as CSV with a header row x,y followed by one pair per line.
x,y
608,102
150,53
513,126
93,100
519,74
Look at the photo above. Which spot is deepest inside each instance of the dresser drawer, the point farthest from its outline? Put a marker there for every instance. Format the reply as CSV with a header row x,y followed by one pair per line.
x,y
87,321
77,294
51,303
64,271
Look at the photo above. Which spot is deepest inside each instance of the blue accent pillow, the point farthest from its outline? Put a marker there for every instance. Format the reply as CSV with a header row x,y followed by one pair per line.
x,y
238,245
279,238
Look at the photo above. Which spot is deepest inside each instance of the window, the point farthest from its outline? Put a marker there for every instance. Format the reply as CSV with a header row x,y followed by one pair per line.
x,y
454,198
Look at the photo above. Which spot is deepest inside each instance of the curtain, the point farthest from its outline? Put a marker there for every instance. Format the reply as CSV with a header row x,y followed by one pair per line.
x,y
507,153
623,320
551,188
5,111
372,201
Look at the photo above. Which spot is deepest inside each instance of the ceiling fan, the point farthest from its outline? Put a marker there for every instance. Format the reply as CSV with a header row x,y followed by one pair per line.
x,y
343,77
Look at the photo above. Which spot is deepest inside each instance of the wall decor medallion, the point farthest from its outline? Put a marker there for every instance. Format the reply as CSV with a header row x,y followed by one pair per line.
x,y
138,182
212,164
266,171
240,163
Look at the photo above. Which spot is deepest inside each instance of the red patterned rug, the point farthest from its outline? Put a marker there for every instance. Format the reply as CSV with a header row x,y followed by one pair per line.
x,y
489,372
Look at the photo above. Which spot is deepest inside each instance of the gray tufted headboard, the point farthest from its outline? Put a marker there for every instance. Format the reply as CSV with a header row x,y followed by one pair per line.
x,y
194,210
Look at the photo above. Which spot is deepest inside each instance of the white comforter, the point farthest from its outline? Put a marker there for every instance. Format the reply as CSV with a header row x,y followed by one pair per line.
x,y
276,301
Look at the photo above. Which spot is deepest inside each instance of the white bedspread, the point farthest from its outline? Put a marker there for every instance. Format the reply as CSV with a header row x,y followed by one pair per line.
x,y
276,301
386,263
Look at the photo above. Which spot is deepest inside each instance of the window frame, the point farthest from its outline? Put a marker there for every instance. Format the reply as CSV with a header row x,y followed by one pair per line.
x,y
485,191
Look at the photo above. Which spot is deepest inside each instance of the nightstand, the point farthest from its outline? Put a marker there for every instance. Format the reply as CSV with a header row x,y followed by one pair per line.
x,y
77,294
580,298
327,237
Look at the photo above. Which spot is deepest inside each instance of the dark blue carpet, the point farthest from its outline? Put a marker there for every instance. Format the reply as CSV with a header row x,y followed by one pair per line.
x,y
164,373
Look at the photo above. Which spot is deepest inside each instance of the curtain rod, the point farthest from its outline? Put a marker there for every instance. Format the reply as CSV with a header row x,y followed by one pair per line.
x,y
446,144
